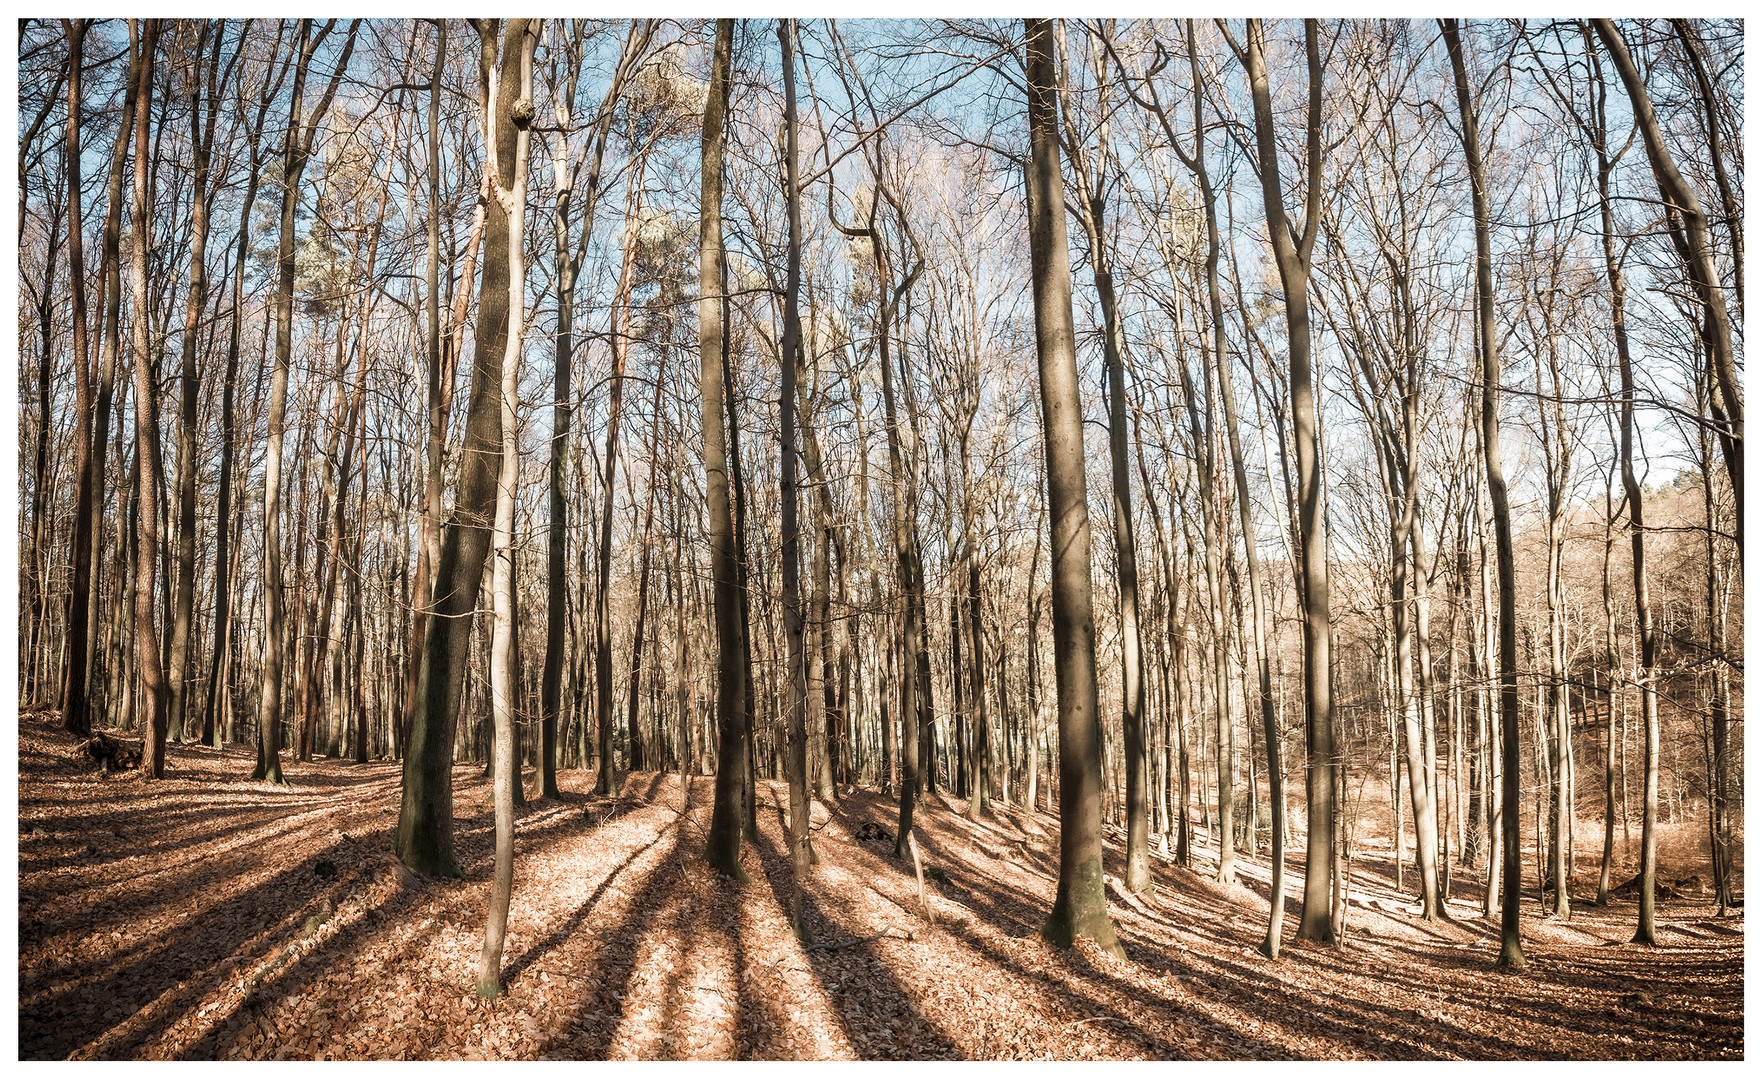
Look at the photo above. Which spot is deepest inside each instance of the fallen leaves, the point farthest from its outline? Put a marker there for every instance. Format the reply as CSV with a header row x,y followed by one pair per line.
x,y
206,928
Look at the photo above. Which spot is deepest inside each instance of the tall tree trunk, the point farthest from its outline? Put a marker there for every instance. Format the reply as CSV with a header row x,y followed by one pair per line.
x,y
75,717
1292,253
1080,909
565,266
1092,199
638,758
297,147
155,694
724,841
607,783
503,110
797,762
424,841
184,588
214,722
1511,948
110,274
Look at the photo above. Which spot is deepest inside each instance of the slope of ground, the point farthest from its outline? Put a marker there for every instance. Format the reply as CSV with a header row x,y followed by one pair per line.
x,y
206,916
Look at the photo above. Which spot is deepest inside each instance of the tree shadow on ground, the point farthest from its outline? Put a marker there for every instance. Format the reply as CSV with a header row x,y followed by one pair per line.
x,y
918,1038
597,1012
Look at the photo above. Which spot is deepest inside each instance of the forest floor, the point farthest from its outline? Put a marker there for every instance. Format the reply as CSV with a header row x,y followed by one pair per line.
x,y
207,916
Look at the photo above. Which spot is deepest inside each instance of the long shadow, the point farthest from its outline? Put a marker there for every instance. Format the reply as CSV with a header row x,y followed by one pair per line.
x,y
568,928
1274,1000
159,972
298,977
1553,1001
128,899
729,896
616,961
1076,999
924,1040
119,849
68,1005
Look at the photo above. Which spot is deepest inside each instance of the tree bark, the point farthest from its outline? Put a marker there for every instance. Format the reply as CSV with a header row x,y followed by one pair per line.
x,y
75,717
1091,197
155,694
110,276
1292,253
797,762
1511,948
1080,909
184,588
724,841
424,841
502,110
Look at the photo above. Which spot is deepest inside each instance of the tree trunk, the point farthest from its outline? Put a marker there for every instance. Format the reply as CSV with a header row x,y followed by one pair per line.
x,y
1080,909
724,848
1293,255
797,766
1511,948
215,720
297,147
503,110
184,588
607,783
1727,402
152,674
1091,198
75,717
424,841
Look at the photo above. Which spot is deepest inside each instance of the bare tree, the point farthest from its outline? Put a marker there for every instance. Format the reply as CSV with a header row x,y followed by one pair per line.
x,y
1511,948
296,149
724,847
1726,402
505,107
74,715
1292,252
152,672
1080,909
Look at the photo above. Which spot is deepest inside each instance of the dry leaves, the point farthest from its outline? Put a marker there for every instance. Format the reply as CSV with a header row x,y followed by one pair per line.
x,y
191,919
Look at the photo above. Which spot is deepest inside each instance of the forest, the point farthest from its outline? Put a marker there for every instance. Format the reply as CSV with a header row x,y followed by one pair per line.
x,y
1058,538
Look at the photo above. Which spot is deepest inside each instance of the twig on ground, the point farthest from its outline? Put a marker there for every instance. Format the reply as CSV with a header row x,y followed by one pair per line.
x,y
904,936
1096,1020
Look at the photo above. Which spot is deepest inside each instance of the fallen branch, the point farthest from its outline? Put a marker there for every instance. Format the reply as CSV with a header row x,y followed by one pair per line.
x,y
904,936
917,865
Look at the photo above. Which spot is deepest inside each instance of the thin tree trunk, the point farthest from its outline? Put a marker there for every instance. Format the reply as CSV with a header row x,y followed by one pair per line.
x,y
424,841
1292,252
1727,402
184,588
797,767
296,149
1511,948
607,782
